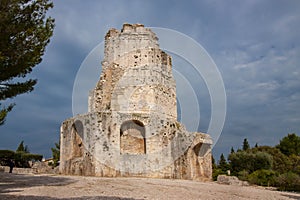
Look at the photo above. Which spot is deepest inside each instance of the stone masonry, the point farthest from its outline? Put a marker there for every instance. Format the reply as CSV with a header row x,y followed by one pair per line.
x,y
131,127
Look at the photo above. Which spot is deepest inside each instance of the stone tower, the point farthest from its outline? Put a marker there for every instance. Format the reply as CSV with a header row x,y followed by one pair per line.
x,y
131,127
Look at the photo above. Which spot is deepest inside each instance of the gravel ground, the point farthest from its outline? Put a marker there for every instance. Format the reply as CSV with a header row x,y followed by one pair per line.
x,y
49,187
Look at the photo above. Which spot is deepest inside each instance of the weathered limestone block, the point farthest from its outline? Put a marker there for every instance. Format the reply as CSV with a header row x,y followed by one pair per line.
x,y
231,180
131,127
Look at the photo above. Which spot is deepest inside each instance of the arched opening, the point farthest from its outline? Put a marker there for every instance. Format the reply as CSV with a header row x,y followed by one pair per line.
x,y
77,138
196,165
78,126
132,137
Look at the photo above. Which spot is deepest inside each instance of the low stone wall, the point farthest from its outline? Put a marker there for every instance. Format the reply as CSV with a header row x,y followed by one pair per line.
x,y
37,168
19,170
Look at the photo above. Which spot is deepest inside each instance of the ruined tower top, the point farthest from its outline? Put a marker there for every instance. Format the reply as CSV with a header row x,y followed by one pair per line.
x,y
132,37
136,74
130,29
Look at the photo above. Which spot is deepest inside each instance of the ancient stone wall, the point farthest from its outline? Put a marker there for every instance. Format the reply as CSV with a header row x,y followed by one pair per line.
x,y
131,128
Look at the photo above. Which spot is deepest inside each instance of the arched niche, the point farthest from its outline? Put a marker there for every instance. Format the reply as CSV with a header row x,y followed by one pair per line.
x,y
132,137
77,138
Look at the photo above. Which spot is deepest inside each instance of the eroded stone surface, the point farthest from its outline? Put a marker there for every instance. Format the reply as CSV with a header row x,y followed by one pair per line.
x,y
131,127
231,180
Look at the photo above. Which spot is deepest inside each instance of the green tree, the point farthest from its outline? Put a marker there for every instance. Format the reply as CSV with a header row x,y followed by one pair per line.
x,y
3,113
6,156
243,175
23,156
213,162
21,147
249,161
56,154
26,149
240,161
288,181
295,163
25,32
281,162
223,165
269,166
232,150
262,177
216,172
290,145
262,160
246,145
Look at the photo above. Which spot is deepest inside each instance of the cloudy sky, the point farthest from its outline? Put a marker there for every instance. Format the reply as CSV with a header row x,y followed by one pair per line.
x,y
255,45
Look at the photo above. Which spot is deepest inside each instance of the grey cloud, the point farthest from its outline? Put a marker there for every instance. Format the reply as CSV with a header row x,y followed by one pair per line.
x,y
255,45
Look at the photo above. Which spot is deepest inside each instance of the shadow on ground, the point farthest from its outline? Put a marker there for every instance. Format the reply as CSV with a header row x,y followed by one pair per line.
x,y
29,197
15,182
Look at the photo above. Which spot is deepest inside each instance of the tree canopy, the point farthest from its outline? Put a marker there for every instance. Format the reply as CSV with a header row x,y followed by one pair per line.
x,y
56,154
25,33
246,145
21,156
290,144
22,148
265,165
223,165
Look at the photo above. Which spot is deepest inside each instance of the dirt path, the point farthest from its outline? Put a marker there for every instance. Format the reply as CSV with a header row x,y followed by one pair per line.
x,y
49,187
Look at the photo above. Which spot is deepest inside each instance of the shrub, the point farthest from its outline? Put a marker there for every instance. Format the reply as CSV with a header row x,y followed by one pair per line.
x,y
263,160
5,156
295,163
288,182
32,157
290,144
250,162
243,175
262,177
281,162
22,159
216,173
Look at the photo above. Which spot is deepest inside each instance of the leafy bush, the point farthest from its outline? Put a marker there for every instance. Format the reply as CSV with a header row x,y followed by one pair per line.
x,y
250,162
281,162
262,177
239,161
268,166
243,175
5,156
295,164
56,155
22,159
290,145
32,157
262,160
216,173
288,182
223,165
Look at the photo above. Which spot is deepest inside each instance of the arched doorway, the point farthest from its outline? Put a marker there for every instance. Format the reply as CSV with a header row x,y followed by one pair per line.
x,y
132,137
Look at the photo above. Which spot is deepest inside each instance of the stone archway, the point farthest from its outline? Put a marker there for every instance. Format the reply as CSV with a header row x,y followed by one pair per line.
x,y
132,137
